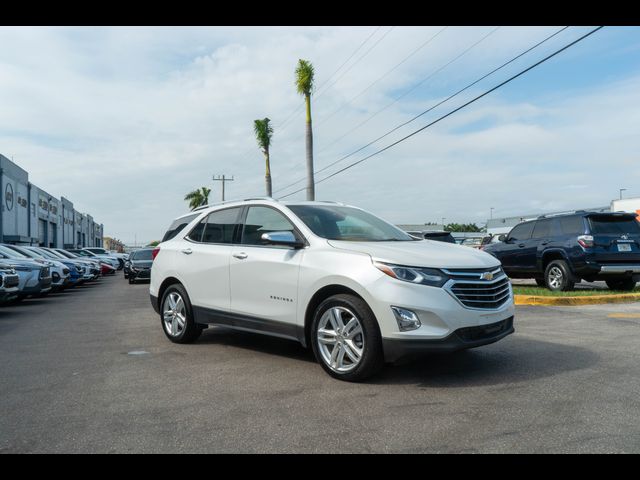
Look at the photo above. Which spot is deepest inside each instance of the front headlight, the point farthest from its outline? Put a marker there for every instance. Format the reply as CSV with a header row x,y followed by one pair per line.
x,y
423,276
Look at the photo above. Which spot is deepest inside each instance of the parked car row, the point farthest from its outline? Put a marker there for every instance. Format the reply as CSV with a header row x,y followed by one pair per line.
x,y
27,270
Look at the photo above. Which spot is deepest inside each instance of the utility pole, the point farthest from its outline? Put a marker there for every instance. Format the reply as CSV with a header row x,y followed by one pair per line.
x,y
621,190
491,213
223,179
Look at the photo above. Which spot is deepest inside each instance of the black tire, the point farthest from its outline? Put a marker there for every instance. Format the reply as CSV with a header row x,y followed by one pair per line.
x,y
126,276
372,358
540,282
558,276
131,280
191,330
625,285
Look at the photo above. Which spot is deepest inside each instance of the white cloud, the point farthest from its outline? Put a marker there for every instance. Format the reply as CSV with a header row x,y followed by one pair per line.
x,y
125,121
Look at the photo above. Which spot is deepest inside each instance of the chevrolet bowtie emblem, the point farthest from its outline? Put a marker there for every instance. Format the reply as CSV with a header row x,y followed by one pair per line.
x,y
486,276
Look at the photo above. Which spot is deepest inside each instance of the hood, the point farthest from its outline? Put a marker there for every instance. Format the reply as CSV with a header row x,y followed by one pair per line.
x,y
18,262
421,253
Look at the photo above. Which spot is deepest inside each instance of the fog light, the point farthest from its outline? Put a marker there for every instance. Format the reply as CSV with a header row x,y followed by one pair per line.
x,y
407,320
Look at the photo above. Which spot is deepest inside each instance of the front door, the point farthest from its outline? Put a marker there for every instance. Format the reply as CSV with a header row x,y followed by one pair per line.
x,y
264,278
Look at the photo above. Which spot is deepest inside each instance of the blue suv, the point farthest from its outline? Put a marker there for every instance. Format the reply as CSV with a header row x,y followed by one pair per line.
x,y
560,250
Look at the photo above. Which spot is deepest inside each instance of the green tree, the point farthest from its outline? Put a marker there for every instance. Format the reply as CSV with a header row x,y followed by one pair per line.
x,y
462,227
264,132
198,197
304,85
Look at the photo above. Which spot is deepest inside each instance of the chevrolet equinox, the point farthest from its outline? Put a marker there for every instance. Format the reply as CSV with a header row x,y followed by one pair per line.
x,y
354,288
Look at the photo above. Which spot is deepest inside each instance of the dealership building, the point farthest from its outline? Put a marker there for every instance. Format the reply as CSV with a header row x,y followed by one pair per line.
x,y
32,216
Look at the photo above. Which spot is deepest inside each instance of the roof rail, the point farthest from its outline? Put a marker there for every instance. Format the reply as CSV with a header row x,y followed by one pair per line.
x,y
569,212
202,207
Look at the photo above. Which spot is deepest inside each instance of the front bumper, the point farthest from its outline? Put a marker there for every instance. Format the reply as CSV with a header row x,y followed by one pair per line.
x,y
461,339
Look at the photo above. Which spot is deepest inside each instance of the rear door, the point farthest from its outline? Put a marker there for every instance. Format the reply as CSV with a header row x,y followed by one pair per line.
x,y
203,259
616,238
264,278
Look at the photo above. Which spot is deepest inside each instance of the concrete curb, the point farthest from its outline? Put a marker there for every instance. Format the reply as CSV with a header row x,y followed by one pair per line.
x,y
582,300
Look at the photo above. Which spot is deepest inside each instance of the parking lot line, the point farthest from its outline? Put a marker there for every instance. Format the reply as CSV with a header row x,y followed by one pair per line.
x,y
624,315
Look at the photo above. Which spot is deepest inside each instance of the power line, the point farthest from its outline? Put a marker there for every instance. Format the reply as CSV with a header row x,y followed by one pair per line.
x,y
424,44
407,92
319,94
301,106
510,79
443,101
431,75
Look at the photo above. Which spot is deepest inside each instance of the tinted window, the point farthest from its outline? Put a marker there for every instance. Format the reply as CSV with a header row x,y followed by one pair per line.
x,y
542,229
347,223
178,225
262,220
571,225
220,226
613,225
522,231
198,230
142,255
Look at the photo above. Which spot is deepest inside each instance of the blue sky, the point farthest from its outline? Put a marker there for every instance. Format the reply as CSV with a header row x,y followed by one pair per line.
x,y
124,121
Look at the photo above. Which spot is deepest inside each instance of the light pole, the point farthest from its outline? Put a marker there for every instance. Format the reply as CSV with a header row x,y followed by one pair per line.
x,y
621,190
491,213
443,221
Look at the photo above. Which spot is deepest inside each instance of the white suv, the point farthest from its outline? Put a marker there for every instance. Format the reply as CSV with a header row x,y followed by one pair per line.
x,y
355,288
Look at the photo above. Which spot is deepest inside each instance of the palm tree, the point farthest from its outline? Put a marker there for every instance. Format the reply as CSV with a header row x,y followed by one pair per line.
x,y
304,85
198,197
264,132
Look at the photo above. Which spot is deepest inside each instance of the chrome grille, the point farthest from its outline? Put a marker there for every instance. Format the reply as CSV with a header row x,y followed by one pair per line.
x,y
474,292
10,281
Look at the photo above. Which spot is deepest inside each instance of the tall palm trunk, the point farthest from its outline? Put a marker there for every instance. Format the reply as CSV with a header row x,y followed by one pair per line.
x,y
311,189
267,177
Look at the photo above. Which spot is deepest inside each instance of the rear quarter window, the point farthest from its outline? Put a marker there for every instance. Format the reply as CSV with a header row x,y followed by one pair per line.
x,y
177,225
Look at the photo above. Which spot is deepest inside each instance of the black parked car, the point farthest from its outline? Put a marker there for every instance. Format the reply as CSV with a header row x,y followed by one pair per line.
x,y
560,250
138,267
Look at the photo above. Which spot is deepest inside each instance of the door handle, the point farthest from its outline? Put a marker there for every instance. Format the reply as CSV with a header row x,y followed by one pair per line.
x,y
521,245
546,242
240,255
187,251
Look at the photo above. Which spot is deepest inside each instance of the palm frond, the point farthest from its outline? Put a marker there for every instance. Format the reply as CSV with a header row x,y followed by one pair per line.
x,y
304,77
264,132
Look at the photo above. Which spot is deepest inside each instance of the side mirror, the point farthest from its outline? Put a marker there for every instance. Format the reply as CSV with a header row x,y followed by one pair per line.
x,y
502,237
282,238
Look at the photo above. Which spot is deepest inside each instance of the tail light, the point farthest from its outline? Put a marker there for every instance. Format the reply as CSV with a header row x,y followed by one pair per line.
x,y
585,241
155,253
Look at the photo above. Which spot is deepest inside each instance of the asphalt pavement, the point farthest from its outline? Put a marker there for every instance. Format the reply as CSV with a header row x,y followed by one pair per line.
x,y
90,370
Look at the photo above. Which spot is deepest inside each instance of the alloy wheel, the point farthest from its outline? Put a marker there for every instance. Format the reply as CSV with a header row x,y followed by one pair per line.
x,y
340,339
174,314
555,277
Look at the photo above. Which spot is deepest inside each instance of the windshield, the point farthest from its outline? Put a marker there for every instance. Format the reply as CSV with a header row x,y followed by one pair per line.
x,y
142,255
335,222
612,225
11,253
52,254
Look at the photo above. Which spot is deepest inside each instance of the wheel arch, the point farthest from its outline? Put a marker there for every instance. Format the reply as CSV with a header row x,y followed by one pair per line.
x,y
166,283
318,297
550,255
